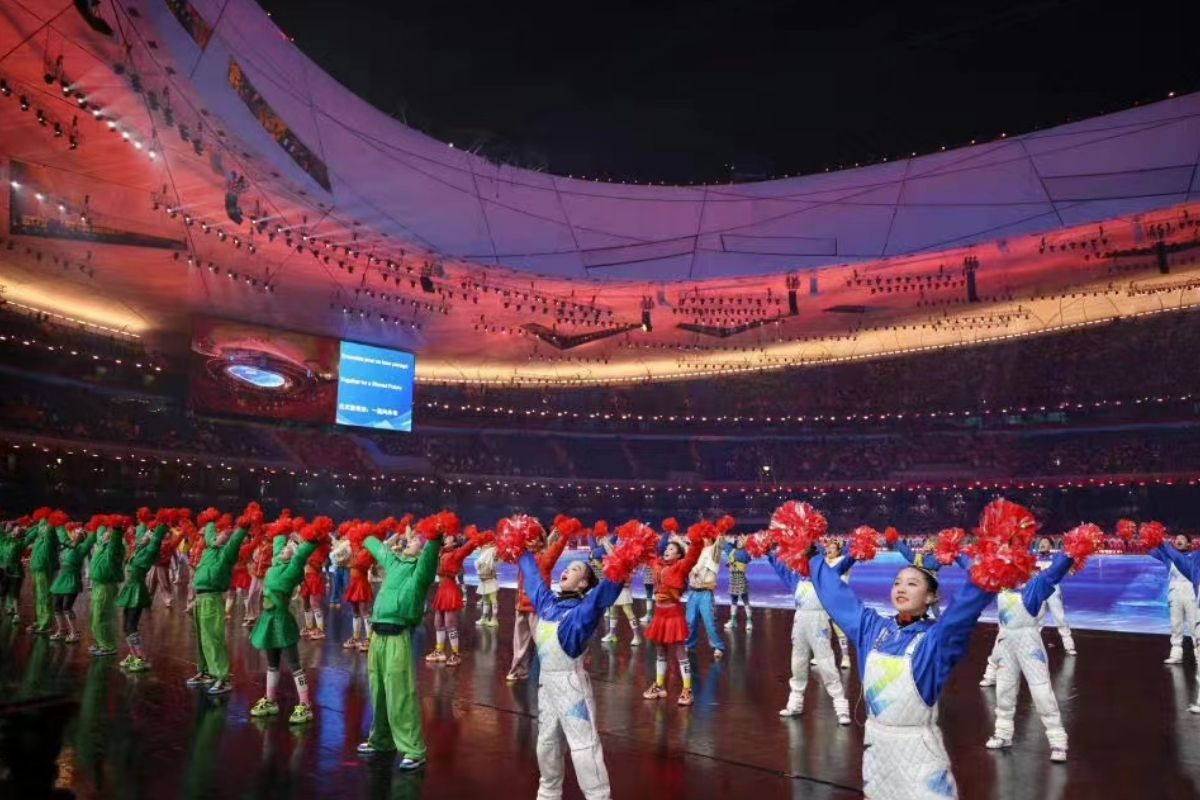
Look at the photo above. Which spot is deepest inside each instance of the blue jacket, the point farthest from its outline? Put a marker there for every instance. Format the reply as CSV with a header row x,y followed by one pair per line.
x,y
577,618
1187,563
1042,585
928,560
945,641
791,580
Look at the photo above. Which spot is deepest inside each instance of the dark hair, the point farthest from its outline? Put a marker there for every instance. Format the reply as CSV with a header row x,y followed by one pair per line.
x,y
931,581
682,550
592,580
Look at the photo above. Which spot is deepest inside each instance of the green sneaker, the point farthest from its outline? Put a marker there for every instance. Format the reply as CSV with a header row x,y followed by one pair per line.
x,y
138,665
300,715
126,661
264,708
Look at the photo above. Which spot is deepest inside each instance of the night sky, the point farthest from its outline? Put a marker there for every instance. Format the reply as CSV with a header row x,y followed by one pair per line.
x,y
713,91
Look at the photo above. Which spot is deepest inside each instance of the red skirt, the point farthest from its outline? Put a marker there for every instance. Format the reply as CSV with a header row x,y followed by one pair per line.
x,y
448,597
668,626
241,580
359,590
313,586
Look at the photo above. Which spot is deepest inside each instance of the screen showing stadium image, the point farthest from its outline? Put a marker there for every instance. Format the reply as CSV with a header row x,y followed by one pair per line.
x,y
249,370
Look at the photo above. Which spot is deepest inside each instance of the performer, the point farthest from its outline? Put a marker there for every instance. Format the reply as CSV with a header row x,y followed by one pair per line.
x,y
448,601
73,549
1181,599
12,573
1189,565
212,580
312,593
648,589
159,582
834,558
1054,603
810,639
1023,653
134,597
904,661
276,632
702,582
739,585
261,559
339,557
624,600
489,587
547,556
399,609
42,541
239,584
106,570
195,553
566,708
669,630
359,593
922,559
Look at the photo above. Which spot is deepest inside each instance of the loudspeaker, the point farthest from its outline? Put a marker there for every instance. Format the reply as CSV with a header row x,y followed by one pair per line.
x,y
427,284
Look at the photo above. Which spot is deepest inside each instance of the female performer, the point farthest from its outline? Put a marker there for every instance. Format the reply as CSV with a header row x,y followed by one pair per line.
x,y
448,601
74,548
904,661
669,629
489,587
135,597
1054,602
1181,598
739,584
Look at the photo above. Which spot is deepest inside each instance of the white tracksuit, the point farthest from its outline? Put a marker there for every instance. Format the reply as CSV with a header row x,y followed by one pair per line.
x,y
1020,652
810,639
1181,597
1055,606
905,757
566,709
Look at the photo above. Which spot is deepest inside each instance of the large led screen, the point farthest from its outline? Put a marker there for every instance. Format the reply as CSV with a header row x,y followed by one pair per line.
x,y
375,387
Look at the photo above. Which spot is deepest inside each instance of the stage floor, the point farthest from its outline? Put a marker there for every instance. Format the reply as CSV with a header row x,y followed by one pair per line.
x,y
148,736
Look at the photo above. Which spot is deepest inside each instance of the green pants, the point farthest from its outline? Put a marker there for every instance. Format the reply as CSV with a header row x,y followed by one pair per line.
x,y
41,599
397,724
213,656
104,616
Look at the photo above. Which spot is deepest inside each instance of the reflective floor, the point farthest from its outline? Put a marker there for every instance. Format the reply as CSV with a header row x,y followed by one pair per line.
x,y
149,736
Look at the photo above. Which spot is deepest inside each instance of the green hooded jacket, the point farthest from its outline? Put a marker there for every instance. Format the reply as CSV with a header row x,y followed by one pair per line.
x,y
406,581
134,593
44,541
108,558
276,627
70,565
214,573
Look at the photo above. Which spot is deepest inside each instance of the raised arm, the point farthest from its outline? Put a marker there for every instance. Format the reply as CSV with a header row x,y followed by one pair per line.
x,y
87,544
576,628
790,579
378,551
1183,562
537,590
233,547
295,568
859,622
904,550
843,566
460,555
946,642
1042,585
427,564
554,550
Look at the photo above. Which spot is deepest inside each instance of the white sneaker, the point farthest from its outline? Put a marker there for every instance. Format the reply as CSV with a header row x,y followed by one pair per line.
x,y
845,661
608,637
1071,652
645,620
1176,657
729,624
987,681
635,641
749,625
791,711
812,662
1058,754
1194,708
843,719
996,743
479,623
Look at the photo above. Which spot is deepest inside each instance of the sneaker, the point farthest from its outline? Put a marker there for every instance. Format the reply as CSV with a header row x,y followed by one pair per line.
x,y
408,764
812,662
126,661
435,656
996,743
645,620
453,660
138,665
301,714
199,679
636,641
843,719
685,698
71,638
317,635
220,687
987,681
350,644
608,638
102,652
1174,658
749,625
57,636
493,623
1071,652
264,708
479,623
1058,754
729,624
93,650
845,662
1194,708
791,711
367,749
513,677
718,655
655,692
364,645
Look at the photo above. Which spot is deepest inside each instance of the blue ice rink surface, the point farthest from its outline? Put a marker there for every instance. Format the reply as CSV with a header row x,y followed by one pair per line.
x,y
1113,593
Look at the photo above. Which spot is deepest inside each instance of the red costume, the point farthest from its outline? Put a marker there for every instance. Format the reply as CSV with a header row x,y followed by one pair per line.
x,y
359,590
241,570
669,625
545,561
314,581
449,595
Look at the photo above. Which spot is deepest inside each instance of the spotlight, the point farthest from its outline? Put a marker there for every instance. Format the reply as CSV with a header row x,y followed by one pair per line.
x,y
58,130
5,89
24,103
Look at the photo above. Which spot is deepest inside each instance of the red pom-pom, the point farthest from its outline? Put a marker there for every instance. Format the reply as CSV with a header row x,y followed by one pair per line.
x,y
670,525
1001,557
251,518
1080,542
515,534
891,535
1126,529
600,529
799,519
429,528
405,523
57,519
637,544
701,532
1005,521
97,521
863,543
225,522
759,544
318,529
449,523
144,515
949,545
1151,535
725,524
40,513
208,515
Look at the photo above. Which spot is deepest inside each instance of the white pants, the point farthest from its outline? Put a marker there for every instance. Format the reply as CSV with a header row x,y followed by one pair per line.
x,y
1054,608
1020,652
1182,602
566,710
523,625
810,639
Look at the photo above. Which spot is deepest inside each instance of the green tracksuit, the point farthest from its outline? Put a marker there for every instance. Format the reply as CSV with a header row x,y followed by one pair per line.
x,y
43,560
134,593
107,565
214,573
69,580
401,603
276,627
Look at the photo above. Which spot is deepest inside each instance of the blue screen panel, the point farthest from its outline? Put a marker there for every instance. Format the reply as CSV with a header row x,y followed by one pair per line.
x,y
375,387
